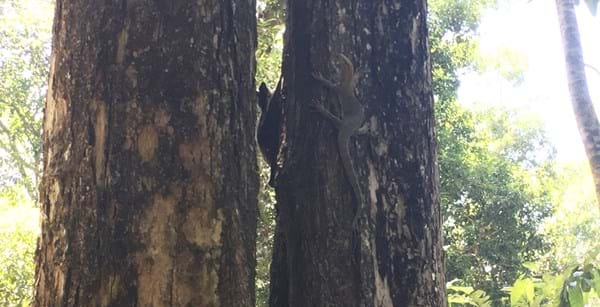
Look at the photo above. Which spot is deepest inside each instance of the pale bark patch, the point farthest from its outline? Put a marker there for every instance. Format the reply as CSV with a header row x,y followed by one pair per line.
x,y
201,107
53,195
51,108
130,132
59,277
191,154
131,74
210,277
56,111
383,296
414,35
200,288
400,208
147,143
373,186
162,118
121,44
107,292
158,237
203,227
100,133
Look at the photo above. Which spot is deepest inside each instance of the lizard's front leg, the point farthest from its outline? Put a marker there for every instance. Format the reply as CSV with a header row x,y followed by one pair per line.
x,y
319,108
328,84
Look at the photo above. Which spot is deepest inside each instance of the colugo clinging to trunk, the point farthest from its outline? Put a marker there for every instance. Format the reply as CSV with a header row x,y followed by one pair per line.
x,y
268,133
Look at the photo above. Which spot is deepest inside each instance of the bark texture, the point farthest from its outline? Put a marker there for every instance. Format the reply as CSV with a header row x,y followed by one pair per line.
x,y
585,115
150,177
396,259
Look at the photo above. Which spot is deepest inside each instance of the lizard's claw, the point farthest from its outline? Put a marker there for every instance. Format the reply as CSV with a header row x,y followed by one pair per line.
x,y
317,76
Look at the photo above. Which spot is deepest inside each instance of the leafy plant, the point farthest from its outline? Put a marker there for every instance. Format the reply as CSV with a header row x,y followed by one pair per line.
x,y
575,287
466,296
18,233
16,267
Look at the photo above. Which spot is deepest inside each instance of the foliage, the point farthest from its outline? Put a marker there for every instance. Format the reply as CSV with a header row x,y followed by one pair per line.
x,y
24,53
493,197
266,231
270,25
16,267
575,287
18,233
466,296
495,166
452,36
574,228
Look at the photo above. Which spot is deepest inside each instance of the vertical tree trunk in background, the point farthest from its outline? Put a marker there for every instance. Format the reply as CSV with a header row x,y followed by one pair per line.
x,y
585,115
398,261
150,176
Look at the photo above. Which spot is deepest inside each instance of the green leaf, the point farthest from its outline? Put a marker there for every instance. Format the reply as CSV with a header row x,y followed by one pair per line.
x,y
518,291
532,266
529,289
596,281
575,296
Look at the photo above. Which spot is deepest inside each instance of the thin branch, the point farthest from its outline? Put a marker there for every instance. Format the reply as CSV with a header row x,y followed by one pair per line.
x,y
592,68
21,165
13,151
24,120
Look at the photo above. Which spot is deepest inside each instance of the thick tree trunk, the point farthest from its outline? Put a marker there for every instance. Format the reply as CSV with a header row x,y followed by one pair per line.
x,y
150,177
586,117
396,260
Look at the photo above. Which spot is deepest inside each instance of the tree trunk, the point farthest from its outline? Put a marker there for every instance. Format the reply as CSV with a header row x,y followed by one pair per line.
x,y
396,259
585,115
150,179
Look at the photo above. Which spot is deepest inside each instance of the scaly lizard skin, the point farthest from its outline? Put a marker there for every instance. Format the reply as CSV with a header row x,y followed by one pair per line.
x,y
350,120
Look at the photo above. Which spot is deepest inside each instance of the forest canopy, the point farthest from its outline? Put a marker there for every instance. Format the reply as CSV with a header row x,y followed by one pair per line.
x,y
520,224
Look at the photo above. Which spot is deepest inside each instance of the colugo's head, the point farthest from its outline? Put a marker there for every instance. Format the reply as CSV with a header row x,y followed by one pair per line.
x,y
263,95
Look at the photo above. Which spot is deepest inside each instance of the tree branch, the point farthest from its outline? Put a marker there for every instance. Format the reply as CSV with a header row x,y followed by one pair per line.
x,y
592,68
24,120
13,151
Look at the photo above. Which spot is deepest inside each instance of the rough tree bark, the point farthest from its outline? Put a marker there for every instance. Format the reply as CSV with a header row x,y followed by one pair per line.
x,y
585,115
150,177
398,261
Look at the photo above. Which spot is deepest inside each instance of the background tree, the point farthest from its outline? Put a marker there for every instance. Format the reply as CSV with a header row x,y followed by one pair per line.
x,y
585,114
24,52
150,179
496,166
573,229
495,201
398,260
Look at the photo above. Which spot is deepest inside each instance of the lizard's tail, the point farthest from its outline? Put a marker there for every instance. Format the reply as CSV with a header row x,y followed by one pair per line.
x,y
349,171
